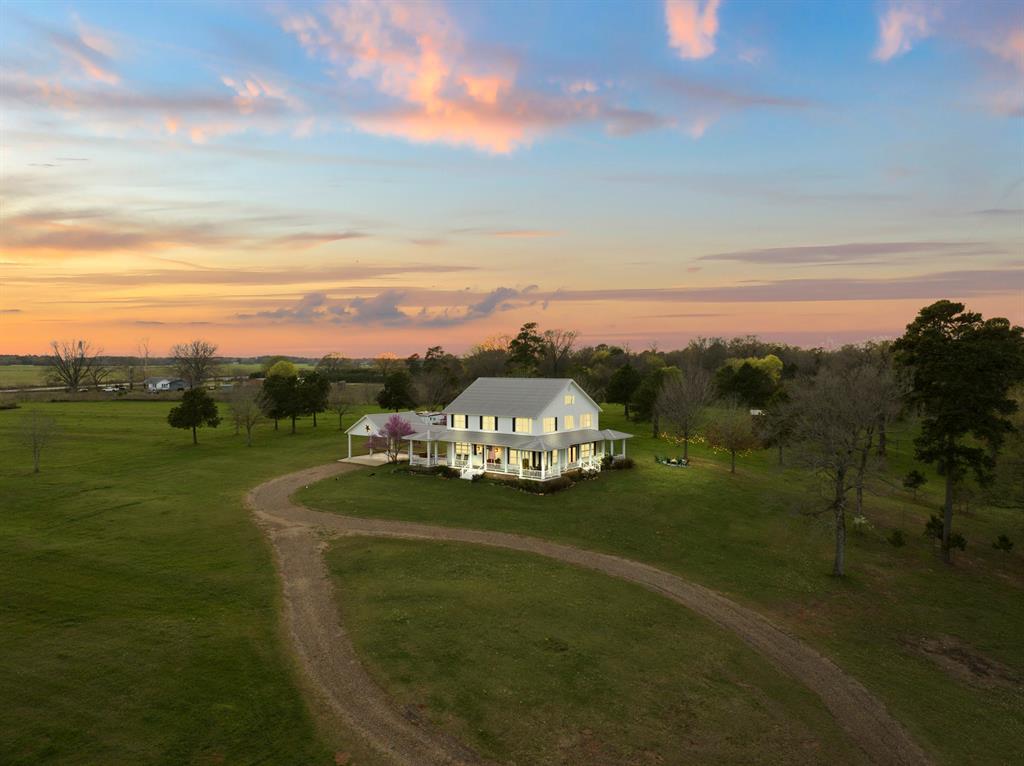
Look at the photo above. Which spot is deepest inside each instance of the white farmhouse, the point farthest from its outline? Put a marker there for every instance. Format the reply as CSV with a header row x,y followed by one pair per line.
x,y
534,428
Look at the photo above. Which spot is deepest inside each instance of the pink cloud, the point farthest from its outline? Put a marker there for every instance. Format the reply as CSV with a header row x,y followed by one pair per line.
x,y
692,26
901,26
414,54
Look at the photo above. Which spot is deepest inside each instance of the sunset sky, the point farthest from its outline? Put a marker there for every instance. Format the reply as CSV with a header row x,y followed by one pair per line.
x,y
372,177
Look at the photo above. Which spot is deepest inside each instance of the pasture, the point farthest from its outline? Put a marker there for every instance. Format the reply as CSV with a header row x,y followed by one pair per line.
x,y
933,643
140,621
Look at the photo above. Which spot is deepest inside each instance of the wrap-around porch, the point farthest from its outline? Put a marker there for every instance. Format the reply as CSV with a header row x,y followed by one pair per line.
x,y
473,457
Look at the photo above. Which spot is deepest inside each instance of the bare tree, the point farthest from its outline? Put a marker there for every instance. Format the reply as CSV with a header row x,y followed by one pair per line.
x,y
732,430
682,401
143,355
194,361
72,362
98,373
340,401
244,403
556,352
37,431
833,422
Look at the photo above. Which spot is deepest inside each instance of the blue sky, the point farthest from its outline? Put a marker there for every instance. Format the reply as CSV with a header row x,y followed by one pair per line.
x,y
380,176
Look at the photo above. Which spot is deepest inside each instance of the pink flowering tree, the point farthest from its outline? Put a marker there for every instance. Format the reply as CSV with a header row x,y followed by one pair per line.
x,y
376,443
394,432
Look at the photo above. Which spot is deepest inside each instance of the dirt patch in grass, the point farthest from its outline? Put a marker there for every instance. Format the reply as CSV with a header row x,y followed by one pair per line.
x,y
965,663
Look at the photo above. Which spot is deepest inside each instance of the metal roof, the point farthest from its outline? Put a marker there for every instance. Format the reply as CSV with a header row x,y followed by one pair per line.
x,y
557,440
508,397
378,419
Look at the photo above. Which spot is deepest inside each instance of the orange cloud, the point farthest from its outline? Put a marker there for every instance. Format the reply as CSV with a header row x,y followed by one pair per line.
x,y
692,26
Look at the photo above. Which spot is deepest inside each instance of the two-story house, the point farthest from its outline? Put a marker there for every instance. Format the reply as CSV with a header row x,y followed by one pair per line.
x,y
532,428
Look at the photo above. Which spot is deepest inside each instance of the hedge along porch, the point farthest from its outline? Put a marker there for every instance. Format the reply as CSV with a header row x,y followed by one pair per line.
x,y
527,457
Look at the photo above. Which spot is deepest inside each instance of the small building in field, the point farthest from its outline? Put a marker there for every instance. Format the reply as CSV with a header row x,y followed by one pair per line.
x,y
372,425
532,428
165,384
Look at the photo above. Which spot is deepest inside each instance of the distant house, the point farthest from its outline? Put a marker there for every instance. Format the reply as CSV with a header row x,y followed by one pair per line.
x,y
534,428
165,384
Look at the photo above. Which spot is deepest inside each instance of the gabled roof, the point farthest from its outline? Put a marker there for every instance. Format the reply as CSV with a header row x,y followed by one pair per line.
x,y
510,397
377,420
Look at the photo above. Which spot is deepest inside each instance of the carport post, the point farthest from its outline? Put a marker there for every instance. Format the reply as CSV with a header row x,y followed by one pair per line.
x,y
350,445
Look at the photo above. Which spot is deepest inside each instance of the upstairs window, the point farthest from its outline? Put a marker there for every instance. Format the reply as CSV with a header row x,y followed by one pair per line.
x,y
522,425
570,422
458,421
570,399
550,425
488,423
586,420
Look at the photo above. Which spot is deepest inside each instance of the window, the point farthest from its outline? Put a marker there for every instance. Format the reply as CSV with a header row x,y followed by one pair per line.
x,y
522,425
462,450
458,421
488,423
550,425
513,457
570,399
570,422
586,420
586,449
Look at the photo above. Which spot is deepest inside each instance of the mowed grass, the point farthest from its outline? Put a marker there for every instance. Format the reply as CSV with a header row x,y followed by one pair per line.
x,y
750,536
531,661
139,619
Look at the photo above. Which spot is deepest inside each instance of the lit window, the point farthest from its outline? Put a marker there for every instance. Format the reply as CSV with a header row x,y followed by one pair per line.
x,y
522,425
488,423
513,457
462,449
570,399
570,422
586,420
586,449
458,421
549,425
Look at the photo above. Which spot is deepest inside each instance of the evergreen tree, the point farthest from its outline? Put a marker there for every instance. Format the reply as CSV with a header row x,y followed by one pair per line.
x,y
962,369
197,409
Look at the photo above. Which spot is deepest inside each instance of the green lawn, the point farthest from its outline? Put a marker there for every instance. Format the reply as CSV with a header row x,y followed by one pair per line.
x,y
748,535
138,623
531,661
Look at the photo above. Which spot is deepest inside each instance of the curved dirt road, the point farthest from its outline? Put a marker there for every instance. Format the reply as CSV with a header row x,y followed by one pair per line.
x,y
328,658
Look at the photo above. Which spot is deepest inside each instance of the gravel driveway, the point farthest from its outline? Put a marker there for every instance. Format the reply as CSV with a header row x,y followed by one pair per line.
x,y
350,696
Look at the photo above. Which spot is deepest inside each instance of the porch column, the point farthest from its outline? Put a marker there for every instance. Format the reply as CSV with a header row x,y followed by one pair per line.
x,y
350,445
504,459
623,448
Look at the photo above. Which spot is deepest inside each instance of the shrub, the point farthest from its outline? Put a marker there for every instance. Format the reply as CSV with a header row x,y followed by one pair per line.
x,y
542,487
958,541
448,472
477,477
914,481
606,462
622,463
1003,543
861,524
896,539
933,528
8,404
